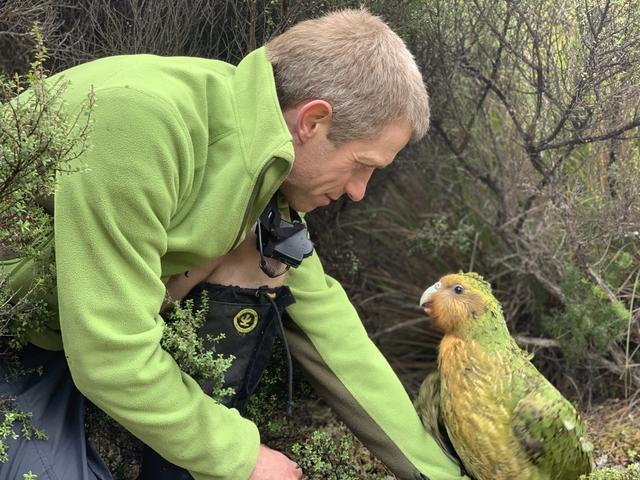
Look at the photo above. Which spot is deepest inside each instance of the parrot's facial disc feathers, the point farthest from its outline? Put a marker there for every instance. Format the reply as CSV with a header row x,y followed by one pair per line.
x,y
456,300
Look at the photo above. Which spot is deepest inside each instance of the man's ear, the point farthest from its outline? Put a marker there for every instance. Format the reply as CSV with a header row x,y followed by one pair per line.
x,y
312,118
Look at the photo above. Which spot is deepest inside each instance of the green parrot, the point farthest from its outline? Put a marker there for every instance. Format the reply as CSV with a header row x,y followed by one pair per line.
x,y
487,404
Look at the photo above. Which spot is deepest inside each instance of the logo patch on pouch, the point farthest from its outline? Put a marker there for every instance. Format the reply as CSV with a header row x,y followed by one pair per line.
x,y
245,320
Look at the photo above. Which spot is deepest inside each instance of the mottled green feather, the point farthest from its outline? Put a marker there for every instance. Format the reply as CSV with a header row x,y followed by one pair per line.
x,y
479,283
551,432
503,418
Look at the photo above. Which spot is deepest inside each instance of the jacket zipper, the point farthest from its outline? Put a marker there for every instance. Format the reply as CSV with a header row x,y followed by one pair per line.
x,y
252,199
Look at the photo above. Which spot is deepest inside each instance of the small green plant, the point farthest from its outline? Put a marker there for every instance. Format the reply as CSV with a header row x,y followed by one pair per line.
x,y
181,339
12,417
29,476
321,458
632,472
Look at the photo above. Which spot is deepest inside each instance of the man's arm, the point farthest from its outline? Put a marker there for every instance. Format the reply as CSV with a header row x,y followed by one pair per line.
x,y
347,369
110,233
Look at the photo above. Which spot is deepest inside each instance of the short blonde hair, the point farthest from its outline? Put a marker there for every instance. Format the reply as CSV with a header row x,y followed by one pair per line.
x,y
354,61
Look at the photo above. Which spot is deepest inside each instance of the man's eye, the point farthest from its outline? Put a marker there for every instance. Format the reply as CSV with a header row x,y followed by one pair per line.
x,y
458,289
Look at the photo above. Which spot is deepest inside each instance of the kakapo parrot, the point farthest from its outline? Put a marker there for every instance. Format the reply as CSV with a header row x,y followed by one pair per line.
x,y
502,417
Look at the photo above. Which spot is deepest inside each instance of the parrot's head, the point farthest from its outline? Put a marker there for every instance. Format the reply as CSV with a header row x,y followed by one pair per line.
x,y
456,300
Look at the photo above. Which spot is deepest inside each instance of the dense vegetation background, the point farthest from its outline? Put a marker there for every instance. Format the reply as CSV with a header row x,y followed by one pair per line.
x,y
530,174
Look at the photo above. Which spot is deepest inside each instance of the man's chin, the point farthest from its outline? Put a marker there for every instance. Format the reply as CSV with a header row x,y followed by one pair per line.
x,y
303,207
310,208
300,208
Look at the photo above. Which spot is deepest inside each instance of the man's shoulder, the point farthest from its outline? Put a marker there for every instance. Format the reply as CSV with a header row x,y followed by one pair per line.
x,y
129,66
165,78
165,75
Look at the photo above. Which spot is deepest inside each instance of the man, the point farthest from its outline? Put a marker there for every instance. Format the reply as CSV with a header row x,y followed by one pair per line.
x,y
186,155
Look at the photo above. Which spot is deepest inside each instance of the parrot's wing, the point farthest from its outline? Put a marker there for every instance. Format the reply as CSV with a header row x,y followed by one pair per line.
x,y
551,433
428,407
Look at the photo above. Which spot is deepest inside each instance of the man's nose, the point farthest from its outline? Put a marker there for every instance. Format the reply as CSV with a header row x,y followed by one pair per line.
x,y
357,187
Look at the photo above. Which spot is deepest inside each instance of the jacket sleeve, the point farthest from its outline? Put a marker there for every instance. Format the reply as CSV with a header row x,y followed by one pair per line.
x,y
110,233
329,341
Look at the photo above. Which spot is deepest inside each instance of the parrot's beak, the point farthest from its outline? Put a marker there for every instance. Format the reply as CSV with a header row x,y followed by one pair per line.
x,y
426,297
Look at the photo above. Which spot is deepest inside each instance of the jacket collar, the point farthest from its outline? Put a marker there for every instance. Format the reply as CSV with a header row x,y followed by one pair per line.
x,y
262,129
261,124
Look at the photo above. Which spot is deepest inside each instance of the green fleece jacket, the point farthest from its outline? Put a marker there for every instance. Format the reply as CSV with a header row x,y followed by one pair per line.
x,y
186,152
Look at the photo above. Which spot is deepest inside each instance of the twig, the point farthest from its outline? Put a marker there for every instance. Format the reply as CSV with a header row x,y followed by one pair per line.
x,y
398,326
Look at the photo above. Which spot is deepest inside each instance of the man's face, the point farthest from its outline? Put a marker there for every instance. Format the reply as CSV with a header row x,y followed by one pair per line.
x,y
322,172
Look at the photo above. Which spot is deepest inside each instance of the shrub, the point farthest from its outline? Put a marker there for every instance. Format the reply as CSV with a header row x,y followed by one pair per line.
x,y
38,140
589,322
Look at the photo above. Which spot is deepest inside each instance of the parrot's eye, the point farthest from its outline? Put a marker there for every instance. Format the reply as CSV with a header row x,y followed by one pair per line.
x,y
458,289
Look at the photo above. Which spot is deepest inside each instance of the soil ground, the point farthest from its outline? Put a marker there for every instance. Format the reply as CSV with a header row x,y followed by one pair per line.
x,y
614,430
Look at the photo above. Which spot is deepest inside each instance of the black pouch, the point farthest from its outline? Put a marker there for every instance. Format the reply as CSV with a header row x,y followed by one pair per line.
x,y
248,319
249,323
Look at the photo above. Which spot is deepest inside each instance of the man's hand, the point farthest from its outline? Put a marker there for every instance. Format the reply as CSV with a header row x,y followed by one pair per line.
x,y
273,465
